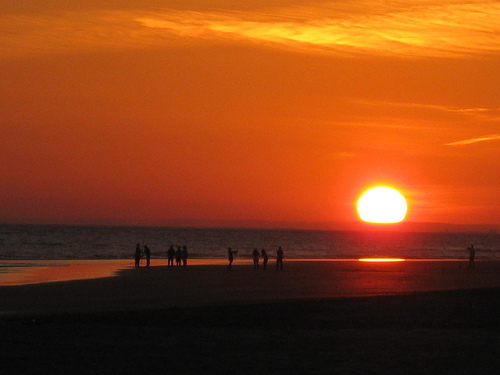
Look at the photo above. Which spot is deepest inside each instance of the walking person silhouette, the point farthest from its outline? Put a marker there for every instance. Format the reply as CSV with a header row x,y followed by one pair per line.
x,y
170,256
230,255
265,258
472,256
255,257
137,255
147,252
184,255
279,259
178,256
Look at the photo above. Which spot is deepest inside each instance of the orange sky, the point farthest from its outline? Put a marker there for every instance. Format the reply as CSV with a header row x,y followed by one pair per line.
x,y
224,110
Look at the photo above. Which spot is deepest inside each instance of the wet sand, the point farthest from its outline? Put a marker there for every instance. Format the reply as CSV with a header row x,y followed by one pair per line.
x,y
313,317
202,284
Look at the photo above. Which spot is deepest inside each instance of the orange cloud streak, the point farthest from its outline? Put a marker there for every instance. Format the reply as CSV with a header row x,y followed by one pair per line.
x,y
493,137
415,29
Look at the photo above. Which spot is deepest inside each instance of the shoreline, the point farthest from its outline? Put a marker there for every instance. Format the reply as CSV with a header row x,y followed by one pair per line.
x,y
26,272
162,287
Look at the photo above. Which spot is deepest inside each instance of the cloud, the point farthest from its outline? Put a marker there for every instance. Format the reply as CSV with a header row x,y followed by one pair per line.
x,y
61,32
421,29
492,137
412,28
478,113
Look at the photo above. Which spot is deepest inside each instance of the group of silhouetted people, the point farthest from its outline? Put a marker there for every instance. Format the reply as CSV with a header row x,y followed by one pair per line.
x,y
180,256
139,253
256,257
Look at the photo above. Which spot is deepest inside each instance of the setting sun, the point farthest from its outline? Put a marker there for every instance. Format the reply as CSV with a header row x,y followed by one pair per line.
x,y
382,205
249,113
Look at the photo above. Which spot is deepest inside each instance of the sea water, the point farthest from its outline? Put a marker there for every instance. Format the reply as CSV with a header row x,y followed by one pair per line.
x,y
55,242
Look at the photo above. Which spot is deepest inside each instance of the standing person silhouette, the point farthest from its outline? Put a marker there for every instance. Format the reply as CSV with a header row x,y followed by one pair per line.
x,y
279,259
170,256
472,255
230,255
265,258
178,256
184,255
255,257
147,252
138,255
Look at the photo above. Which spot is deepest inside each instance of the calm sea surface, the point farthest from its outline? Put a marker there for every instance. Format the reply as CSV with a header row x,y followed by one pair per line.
x,y
37,242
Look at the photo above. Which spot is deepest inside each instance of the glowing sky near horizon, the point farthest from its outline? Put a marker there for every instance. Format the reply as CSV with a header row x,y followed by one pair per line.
x,y
281,111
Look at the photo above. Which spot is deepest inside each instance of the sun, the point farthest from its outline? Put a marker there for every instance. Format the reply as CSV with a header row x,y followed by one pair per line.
x,y
382,204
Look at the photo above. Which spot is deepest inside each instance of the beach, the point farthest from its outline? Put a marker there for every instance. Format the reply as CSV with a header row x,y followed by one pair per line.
x,y
319,317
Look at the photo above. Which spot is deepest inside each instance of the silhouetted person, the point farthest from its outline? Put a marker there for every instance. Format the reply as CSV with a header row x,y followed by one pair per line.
x,y
184,255
147,253
472,255
255,257
265,258
178,256
230,255
279,259
138,255
170,256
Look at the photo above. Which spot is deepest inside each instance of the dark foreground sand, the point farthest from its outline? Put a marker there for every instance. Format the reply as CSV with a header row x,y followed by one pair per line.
x,y
312,318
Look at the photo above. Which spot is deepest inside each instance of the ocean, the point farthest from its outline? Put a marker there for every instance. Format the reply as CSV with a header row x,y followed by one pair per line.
x,y
57,242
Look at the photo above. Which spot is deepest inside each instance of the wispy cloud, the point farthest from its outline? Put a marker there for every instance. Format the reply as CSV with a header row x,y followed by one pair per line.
x,y
412,28
421,29
477,113
485,138
469,110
